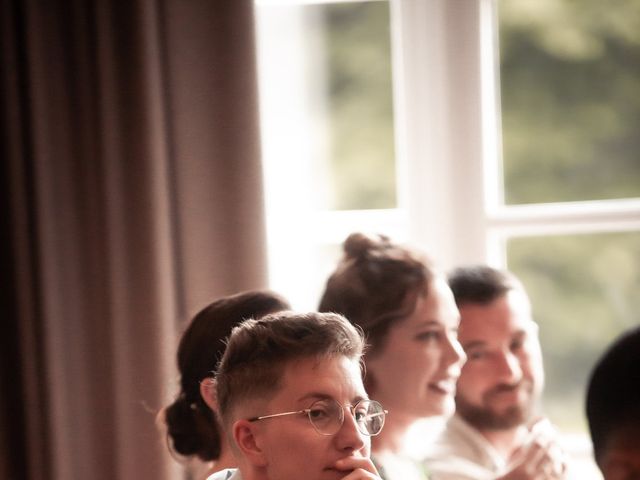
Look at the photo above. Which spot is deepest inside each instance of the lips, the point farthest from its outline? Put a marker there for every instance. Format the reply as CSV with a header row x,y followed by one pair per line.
x,y
445,386
504,390
507,394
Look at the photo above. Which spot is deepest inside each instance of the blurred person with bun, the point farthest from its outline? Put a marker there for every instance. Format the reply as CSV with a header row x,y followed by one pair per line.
x,y
191,421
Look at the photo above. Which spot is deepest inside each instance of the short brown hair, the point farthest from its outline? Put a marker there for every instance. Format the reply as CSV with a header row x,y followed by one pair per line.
x,y
481,284
376,284
258,350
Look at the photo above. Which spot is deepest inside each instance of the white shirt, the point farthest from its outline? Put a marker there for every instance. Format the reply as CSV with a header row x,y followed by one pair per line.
x,y
398,467
227,474
462,453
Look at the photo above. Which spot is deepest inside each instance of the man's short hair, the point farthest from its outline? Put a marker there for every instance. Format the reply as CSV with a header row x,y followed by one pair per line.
x,y
480,284
258,351
613,392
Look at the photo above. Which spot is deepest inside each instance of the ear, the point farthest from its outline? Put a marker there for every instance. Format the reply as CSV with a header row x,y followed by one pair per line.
x,y
247,437
208,393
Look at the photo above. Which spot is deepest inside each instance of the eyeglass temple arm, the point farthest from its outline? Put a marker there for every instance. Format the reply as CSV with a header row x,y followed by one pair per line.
x,y
255,419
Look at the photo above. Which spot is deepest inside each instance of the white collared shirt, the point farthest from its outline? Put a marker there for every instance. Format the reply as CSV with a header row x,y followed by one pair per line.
x,y
460,452
227,474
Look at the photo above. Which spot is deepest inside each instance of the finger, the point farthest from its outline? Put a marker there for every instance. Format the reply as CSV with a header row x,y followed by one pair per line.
x,y
534,454
355,463
546,467
557,458
531,462
361,474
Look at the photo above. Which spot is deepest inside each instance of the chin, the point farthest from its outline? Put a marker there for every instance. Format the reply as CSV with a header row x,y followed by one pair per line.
x,y
441,408
447,409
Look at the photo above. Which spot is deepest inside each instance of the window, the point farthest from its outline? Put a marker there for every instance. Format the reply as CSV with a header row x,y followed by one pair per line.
x,y
328,125
569,84
508,133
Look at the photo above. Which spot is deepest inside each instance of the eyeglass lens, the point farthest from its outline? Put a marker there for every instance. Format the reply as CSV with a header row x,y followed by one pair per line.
x,y
327,416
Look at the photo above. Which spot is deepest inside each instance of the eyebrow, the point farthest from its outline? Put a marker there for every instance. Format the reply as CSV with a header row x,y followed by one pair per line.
x,y
474,344
323,396
518,334
428,323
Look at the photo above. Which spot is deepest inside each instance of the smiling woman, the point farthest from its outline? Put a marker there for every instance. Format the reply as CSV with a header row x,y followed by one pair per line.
x,y
408,314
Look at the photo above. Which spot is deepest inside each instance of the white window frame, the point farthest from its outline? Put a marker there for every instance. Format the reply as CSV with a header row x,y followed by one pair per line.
x,y
450,201
445,66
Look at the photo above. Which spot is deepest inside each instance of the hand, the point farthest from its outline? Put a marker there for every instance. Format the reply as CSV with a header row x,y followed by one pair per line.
x,y
358,468
540,457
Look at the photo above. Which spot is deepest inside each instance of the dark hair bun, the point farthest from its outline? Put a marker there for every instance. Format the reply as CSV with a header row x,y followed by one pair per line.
x,y
192,429
357,245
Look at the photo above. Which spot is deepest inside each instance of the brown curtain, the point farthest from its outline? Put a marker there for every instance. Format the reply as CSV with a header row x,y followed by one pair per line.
x,y
131,196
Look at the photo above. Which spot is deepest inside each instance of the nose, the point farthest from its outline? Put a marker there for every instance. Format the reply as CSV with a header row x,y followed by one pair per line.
x,y
349,437
454,354
508,367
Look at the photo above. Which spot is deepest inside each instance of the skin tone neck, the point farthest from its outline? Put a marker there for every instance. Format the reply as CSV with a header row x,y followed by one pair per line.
x,y
226,460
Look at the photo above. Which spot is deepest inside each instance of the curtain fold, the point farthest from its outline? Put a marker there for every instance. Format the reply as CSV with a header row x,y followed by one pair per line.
x,y
132,198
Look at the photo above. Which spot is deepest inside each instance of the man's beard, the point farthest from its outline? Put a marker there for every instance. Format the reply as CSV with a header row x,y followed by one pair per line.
x,y
484,417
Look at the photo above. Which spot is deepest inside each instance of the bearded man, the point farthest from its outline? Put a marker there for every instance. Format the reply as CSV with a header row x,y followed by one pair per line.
x,y
495,432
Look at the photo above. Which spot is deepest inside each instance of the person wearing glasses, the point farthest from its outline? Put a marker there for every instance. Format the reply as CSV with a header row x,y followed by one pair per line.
x,y
408,314
613,408
190,421
292,400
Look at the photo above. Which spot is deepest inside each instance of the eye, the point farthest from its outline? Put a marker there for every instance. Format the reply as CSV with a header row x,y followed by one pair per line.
x,y
361,414
475,355
319,411
517,343
428,336
360,417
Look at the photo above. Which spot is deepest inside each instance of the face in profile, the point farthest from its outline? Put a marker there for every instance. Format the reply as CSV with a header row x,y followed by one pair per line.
x,y
503,375
289,446
620,459
414,374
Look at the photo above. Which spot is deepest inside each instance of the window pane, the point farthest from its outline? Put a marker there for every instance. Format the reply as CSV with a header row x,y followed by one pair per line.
x,y
584,291
570,89
360,105
336,107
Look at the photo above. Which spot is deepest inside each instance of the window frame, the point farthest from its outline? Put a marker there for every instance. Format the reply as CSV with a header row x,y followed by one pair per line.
x,y
447,132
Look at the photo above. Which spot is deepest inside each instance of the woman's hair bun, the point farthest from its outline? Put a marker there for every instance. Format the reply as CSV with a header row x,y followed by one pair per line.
x,y
182,426
358,244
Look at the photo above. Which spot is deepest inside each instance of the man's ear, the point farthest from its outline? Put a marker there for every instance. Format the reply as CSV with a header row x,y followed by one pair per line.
x,y
247,437
209,394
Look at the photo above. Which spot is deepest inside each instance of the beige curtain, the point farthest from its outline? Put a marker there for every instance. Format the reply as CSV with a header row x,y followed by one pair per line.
x,y
131,197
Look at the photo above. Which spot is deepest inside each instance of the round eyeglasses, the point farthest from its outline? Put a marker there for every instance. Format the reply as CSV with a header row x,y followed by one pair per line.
x,y
327,416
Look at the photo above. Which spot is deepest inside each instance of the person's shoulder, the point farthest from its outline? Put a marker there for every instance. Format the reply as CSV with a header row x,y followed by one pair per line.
x,y
456,435
399,467
460,452
226,474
